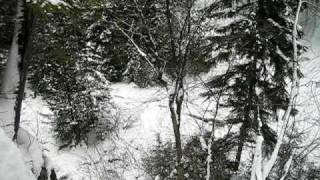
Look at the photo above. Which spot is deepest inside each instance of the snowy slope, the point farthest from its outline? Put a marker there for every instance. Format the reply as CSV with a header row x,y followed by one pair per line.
x,y
37,119
12,166
144,114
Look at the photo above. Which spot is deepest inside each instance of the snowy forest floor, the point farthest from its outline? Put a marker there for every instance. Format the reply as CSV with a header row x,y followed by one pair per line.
x,y
144,115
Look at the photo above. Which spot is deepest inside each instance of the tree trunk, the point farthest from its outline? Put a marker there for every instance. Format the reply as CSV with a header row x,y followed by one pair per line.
x,y
247,122
210,175
257,171
23,67
14,79
294,92
175,106
261,170
176,96
13,84
242,138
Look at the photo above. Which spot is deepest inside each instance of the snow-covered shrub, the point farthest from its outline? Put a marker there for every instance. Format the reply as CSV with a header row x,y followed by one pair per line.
x,y
160,162
86,114
161,159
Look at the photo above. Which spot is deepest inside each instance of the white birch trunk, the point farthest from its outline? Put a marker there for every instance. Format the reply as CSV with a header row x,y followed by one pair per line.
x,y
294,92
209,159
10,82
260,171
256,172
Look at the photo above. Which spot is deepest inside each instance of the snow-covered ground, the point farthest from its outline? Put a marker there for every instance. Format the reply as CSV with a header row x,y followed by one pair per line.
x,y
12,165
144,115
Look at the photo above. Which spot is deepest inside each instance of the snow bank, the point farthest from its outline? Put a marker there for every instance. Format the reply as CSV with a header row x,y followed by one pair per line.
x,y
12,166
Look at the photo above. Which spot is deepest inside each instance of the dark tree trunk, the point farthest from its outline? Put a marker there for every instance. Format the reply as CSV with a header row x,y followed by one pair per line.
x,y
25,44
251,108
176,118
176,97
242,138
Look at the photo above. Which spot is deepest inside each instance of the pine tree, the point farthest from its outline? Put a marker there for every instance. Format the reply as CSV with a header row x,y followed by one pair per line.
x,y
70,76
257,43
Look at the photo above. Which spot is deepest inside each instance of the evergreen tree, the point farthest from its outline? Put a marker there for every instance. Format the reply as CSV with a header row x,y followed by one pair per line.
x,y
69,76
257,43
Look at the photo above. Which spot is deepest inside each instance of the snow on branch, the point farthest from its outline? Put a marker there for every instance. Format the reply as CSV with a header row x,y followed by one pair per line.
x,y
140,51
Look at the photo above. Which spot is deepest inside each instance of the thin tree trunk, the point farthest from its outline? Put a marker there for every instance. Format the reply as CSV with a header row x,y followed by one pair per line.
x,y
176,97
293,94
175,106
259,171
175,100
26,56
209,158
210,175
256,172
242,138
246,123
14,80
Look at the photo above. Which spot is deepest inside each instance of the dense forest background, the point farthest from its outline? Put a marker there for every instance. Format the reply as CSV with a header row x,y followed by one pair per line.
x,y
161,89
